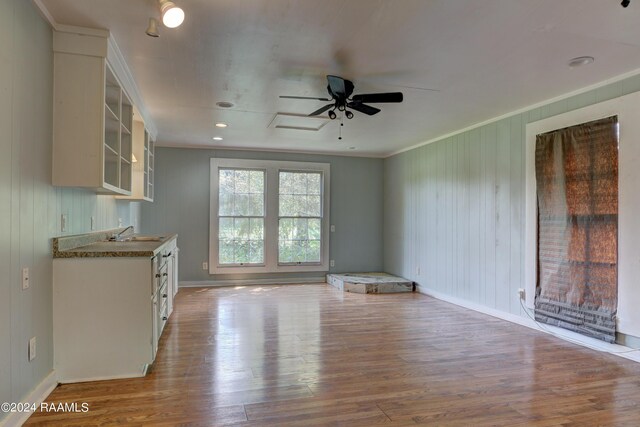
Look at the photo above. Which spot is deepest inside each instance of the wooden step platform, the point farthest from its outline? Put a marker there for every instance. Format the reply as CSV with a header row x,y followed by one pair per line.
x,y
370,283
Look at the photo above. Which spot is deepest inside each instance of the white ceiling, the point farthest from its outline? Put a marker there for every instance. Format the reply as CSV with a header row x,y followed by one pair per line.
x,y
482,58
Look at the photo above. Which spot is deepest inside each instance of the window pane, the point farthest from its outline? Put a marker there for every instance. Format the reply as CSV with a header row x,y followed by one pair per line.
x,y
225,228
286,183
314,208
299,183
313,251
256,205
256,252
241,205
226,181
256,226
284,251
256,182
225,204
300,229
286,229
314,183
242,181
225,255
313,226
241,251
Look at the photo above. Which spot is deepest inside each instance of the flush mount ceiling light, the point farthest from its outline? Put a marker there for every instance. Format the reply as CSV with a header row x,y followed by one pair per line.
x,y
221,125
217,138
172,15
224,104
152,28
580,61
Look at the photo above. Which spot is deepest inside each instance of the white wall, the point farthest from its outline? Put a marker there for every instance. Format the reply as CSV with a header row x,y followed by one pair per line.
x,y
454,209
30,207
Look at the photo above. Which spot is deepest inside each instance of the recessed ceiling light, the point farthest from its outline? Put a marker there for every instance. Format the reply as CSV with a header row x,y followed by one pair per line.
x,y
224,104
580,61
217,138
352,148
221,125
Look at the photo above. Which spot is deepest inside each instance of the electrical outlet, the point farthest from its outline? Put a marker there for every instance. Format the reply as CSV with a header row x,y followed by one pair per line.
x,y
93,223
521,293
120,223
25,278
32,348
64,221
333,228
205,265
332,263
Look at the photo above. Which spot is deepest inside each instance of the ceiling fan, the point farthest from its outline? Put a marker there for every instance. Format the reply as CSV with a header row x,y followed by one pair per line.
x,y
340,90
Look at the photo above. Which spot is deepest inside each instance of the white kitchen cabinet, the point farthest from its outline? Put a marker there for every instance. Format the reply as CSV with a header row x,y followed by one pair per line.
x,y
92,115
109,312
142,169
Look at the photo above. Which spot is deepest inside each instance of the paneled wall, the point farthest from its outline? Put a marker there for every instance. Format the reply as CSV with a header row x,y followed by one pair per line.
x,y
181,205
30,208
454,209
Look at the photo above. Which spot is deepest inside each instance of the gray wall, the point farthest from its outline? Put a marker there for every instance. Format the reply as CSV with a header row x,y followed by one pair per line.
x,y
181,205
30,207
454,209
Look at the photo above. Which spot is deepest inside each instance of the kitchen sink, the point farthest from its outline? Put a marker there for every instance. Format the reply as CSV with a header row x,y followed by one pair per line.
x,y
139,239
145,239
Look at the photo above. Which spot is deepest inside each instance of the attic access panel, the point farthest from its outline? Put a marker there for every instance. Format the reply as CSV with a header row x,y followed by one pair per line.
x,y
298,122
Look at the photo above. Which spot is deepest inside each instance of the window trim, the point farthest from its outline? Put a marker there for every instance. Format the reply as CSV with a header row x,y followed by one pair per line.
x,y
272,169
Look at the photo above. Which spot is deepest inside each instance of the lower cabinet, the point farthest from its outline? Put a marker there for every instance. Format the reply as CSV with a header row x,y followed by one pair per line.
x,y
109,313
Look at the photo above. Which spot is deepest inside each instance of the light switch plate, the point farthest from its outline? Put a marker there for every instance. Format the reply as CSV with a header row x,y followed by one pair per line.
x,y
63,222
332,263
205,265
333,228
93,223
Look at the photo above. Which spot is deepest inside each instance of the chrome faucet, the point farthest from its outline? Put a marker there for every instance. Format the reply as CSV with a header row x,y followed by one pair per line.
x,y
118,236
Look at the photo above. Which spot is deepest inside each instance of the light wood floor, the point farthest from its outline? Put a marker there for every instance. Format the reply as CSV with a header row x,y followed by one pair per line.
x,y
310,356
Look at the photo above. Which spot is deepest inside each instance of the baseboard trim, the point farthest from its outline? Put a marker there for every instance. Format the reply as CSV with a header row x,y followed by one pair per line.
x,y
250,282
36,396
573,337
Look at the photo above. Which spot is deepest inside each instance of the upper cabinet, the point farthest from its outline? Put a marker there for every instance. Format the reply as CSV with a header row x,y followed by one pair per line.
x,y
97,143
143,159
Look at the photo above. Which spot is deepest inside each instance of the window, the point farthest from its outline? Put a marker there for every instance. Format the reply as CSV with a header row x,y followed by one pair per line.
x,y
268,216
241,217
300,217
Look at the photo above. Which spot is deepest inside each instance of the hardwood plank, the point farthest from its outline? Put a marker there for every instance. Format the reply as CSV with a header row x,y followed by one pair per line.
x,y
309,355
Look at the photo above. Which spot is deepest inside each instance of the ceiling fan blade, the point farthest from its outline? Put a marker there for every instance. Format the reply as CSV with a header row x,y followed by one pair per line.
x,y
304,97
321,110
378,97
366,109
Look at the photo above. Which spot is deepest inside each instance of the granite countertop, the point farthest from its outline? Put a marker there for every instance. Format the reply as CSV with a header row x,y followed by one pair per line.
x,y
94,245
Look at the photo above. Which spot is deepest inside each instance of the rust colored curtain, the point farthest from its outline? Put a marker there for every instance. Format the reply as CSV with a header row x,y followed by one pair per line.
x,y
577,190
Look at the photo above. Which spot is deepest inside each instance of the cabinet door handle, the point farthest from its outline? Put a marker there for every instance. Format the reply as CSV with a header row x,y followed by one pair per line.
x,y
164,317
165,274
164,295
167,255
158,275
